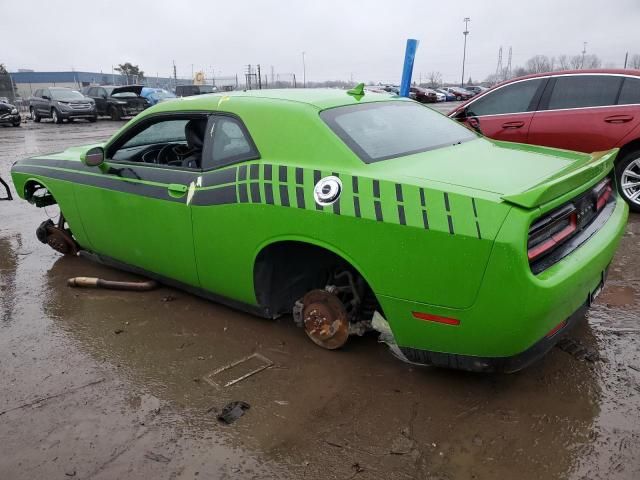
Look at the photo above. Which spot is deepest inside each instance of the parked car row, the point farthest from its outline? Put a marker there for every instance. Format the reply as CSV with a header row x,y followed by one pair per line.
x,y
429,95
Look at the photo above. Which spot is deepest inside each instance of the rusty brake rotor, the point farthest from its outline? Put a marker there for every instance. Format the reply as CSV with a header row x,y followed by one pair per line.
x,y
61,241
325,319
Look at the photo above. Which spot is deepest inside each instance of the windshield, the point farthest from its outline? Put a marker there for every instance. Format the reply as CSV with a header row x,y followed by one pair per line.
x,y
64,94
382,130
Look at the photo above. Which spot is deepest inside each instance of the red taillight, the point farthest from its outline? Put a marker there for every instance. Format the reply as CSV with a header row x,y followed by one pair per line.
x,y
435,318
603,192
549,235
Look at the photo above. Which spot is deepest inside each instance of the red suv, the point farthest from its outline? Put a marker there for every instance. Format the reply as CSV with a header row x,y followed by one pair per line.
x,y
584,110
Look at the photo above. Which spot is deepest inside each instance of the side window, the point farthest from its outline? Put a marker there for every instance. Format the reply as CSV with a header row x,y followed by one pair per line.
x,y
169,131
513,98
579,91
92,92
46,93
38,93
231,143
630,92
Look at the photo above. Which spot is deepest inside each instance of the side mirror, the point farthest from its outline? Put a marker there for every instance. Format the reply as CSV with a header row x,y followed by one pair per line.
x,y
46,97
474,122
104,95
94,157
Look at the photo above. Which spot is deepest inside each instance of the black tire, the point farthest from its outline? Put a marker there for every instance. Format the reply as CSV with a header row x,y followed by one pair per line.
x,y
114,113
458,98
625,164
16,124
55,116
34,115
93,119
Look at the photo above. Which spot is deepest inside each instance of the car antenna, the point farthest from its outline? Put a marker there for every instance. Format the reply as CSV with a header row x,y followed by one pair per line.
x,y
357,91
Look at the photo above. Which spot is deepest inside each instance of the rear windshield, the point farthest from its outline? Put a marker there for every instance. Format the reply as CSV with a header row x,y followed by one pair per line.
x,y
382,130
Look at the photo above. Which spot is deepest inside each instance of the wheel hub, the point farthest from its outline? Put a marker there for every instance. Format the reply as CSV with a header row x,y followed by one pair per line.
x,y
630,181
325,319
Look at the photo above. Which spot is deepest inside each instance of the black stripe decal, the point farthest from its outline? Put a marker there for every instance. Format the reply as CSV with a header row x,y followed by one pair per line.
x,y
378,208
316,176
356,206
299,176
268,172
336,207
478,229
215,196
284,195
475,210
242,193
425,220
268,193
136,188
399,195
376,188
354,184
218,177
446,202
423,201
300,196
242,175
450,220
255,171
283,173
255,192
401,216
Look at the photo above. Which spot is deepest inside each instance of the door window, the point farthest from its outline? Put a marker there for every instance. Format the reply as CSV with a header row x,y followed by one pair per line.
x,y
630,92
175,142
38,93
513,98
579,91
231,143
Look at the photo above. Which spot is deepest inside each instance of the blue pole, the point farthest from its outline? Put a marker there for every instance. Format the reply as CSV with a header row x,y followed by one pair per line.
x,y
407,69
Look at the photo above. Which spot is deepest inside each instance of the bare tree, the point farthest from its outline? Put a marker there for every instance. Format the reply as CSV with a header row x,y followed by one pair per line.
x,y
563,62
538,64
3,69
576,62
435,79
591,61
634,61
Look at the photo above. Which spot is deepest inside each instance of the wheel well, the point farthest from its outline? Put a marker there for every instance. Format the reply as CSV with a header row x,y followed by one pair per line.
x,y
284,271
38,194
629,147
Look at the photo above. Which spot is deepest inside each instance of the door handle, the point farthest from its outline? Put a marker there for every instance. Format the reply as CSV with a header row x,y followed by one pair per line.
x,y
177,189
618,118
515,124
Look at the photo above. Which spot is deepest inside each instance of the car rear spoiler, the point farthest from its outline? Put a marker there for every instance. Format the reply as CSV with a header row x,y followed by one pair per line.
x,y
594,169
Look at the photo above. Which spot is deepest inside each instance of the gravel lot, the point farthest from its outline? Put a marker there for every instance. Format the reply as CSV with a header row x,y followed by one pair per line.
x,y
104,385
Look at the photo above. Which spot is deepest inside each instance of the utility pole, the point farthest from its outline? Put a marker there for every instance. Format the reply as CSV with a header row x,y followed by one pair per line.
x,y
259,78
584,51
626,57
508,74
464,51
499,70
175,74
304,72
272,77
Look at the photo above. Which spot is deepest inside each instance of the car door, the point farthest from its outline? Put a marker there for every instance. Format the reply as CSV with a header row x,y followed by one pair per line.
x,y
229,178
138,213
581,112
44,102
506,113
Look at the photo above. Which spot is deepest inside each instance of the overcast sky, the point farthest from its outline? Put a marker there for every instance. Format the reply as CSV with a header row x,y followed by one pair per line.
x,y
364,39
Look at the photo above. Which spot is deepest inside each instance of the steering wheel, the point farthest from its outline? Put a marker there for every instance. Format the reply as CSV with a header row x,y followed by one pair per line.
x,y
151,155
167,154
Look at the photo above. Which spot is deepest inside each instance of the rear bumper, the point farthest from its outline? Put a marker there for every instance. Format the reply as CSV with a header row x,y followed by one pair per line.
x,y
510,364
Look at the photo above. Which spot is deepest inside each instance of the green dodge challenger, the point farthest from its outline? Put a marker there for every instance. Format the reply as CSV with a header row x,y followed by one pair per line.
x,y
351,211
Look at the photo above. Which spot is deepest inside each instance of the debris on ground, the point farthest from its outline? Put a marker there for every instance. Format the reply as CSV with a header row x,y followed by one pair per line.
x,y
92,282
244,368
233,411
118,331
157,457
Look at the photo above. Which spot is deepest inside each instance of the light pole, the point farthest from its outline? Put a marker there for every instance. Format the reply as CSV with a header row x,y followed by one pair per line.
x,y
584,51
304,72
464,51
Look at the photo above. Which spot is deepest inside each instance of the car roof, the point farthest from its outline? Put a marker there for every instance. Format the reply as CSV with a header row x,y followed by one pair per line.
x,y
610,71
320,98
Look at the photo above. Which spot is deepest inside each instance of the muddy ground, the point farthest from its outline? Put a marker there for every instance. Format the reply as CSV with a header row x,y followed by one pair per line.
x,y
106,385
